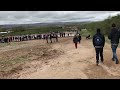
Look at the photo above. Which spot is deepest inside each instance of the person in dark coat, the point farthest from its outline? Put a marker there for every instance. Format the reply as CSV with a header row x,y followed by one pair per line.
x,y
75,40
68,34
114,36
79,38
98,43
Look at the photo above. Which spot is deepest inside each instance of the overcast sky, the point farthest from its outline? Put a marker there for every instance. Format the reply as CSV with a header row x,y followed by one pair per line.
x,y
25,17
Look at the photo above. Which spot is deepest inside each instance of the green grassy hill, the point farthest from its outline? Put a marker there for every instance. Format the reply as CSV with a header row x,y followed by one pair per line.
x,y
105,25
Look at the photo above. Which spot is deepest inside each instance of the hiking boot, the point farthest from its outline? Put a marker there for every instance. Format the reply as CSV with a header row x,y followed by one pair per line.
x,y
117,62
97,62
113,59
102,61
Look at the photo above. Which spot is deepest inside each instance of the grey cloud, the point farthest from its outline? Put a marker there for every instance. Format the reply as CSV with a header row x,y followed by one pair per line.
x,y
18,17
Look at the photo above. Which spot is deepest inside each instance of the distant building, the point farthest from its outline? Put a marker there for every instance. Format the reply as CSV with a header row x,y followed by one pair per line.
x,y
3,32
71,28
84,29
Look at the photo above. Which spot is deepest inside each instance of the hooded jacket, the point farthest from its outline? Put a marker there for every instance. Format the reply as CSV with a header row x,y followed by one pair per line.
x,y
114,36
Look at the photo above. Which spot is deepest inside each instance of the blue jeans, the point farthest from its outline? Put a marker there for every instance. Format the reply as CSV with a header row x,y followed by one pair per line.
x,y
114,47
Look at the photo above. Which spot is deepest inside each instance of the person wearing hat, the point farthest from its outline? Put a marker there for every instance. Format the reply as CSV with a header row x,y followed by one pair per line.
x,y
98,43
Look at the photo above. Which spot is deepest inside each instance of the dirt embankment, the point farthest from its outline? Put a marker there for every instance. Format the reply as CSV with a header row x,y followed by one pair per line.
x,y
14,58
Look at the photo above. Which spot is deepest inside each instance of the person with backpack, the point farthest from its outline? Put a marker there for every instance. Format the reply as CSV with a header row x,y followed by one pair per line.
x,y
99,42
79,38
114,36
75,40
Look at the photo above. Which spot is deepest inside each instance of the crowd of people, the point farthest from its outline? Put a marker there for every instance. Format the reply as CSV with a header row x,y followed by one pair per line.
x,y
19,38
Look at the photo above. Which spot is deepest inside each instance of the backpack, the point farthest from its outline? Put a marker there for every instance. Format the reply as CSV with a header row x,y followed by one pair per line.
x,y
98,41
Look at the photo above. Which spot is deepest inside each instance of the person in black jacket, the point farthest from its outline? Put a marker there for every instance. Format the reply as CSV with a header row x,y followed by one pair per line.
x,y
75,40
79,38
99,42
114,36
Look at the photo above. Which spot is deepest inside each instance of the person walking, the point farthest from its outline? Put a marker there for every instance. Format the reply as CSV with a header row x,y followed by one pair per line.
x,y
114,36
75,40
79,38
98,43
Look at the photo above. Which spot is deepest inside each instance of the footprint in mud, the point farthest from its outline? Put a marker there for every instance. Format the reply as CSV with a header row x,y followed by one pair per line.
x,y
86,60
76,53
27,67
58,62
79,61
91,57
46,63
67,63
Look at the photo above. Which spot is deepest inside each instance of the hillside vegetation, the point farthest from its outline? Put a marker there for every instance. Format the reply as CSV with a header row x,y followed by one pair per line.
x,y
105,25
34,30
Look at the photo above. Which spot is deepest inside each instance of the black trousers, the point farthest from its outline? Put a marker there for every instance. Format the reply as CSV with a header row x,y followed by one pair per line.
x,y
99,51
76,45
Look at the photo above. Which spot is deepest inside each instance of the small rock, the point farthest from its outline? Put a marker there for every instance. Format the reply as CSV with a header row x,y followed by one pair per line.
x,y
46,62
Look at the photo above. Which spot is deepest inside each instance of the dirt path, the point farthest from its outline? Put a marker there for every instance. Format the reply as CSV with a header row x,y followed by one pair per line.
x,y
71,63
